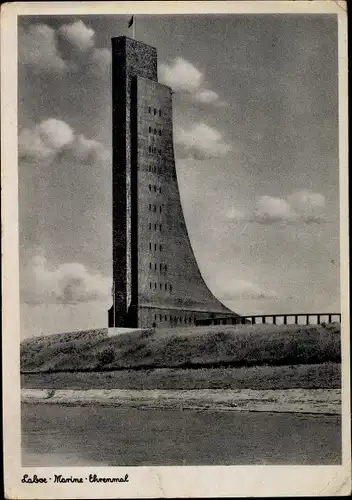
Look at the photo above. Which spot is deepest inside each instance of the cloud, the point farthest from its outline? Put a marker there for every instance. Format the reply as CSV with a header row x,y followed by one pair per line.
x,y
45,139
55,133
232,289
200,142
300,206
69,283
38,48
307,205
207,96
100,60
71,47
182,76
88,150
78,35
53,137
270,209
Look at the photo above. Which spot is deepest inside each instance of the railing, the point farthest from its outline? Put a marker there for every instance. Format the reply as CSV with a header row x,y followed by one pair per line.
x,y
273,319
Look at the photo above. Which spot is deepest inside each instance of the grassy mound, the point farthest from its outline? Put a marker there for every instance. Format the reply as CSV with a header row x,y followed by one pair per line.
x,y
194,347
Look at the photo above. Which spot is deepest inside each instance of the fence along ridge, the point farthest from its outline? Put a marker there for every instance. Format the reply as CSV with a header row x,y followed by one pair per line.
x,y
252,319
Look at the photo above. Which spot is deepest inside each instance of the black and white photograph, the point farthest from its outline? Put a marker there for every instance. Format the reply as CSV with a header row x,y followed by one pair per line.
x,y
175,233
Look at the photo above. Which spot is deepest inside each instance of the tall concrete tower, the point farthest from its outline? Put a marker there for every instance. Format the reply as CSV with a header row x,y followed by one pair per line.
x,y
156,277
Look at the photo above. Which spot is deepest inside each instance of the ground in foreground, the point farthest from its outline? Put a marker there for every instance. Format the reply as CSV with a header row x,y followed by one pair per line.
x,y
108,436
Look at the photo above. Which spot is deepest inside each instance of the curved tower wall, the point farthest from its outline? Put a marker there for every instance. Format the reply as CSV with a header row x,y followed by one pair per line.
x,y
156,277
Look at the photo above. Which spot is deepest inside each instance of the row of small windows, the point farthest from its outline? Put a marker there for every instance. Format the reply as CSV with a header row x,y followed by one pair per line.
x,y
154,150
156,227
161,286
154,111
154,169
153,208
156,189
162,267
155,131
156,247
176,319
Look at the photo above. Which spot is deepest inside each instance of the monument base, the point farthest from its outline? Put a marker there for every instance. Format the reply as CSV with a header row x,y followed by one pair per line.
x,y
162,316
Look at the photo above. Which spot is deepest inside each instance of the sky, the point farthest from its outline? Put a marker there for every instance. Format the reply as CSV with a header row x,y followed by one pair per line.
x,y
256,139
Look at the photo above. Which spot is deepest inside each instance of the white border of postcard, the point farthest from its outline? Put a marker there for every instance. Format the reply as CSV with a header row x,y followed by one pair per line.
x,y
153,482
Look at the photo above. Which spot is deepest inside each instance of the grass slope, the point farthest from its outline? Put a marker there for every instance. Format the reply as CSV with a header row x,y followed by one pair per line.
x,y
194,347
319,376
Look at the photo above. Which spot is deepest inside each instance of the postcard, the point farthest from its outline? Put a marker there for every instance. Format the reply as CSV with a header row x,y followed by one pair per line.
x,y
175,249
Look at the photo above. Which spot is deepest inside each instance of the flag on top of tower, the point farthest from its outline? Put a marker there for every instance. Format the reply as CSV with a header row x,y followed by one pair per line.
x,y
130,22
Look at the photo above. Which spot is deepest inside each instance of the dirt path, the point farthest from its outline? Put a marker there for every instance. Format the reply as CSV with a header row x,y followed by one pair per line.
x,y
322,401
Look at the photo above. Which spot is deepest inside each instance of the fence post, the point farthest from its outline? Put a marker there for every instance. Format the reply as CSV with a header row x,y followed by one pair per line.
x,y
318,319
296,319
274,320
263,320
253,320
329,318
285,319
307,321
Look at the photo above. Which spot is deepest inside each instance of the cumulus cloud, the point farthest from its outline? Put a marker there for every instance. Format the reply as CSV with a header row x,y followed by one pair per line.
x,y
183,76
309,206
200,142
68,48
45,139
69,283
207,96
38,48
78,35
53,137
300,206
88,150
270,209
